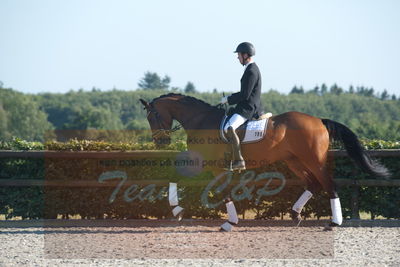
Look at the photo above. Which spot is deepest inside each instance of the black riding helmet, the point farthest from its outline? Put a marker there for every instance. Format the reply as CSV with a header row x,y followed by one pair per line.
x,y
247,48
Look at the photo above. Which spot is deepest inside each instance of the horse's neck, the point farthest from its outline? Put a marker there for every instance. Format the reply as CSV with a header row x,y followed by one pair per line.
x,y
201,118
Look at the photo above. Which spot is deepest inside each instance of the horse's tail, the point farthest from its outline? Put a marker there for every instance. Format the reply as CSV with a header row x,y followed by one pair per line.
x,y
340,132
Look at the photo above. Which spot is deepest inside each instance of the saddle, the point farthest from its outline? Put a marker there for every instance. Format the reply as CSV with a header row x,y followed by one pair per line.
x,y
251,131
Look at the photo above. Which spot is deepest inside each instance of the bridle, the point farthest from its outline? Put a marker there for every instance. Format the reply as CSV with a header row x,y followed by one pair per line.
x,y
161,130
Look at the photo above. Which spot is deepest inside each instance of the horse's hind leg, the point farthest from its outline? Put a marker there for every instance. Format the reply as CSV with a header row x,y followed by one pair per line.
x,y
177,211
232,216
312,186
325,178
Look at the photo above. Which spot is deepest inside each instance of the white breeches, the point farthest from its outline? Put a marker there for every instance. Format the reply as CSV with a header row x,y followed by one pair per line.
x,y
235,121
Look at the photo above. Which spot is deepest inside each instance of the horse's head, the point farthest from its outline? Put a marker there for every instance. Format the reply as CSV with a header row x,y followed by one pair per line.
x,y
160,121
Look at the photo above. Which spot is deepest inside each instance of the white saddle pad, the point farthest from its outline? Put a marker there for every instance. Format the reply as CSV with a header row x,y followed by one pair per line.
x,y
255,129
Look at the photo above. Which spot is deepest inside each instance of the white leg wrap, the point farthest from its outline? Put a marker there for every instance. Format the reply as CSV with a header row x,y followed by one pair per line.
x,y
227,227
298,206
173,194
177,210
336,211
232,215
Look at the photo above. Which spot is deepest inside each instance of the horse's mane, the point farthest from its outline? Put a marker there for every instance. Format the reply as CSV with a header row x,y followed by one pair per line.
x,y
188,100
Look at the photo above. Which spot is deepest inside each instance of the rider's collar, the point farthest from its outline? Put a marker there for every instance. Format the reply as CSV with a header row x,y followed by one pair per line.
x,y
245,66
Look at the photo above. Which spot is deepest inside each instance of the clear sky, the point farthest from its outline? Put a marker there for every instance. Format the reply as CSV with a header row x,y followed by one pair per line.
x,y
55,46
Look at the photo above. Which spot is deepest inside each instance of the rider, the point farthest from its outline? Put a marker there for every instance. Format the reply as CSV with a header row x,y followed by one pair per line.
x,y
248,103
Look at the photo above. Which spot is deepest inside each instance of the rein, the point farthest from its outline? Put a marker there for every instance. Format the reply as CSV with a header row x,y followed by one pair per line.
x,y
161,130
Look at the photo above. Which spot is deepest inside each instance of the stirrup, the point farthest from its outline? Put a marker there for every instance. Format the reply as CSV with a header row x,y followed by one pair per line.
x,y
241,167
228,167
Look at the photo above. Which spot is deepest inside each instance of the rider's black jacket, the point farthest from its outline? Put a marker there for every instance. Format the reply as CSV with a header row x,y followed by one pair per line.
x,y
248,99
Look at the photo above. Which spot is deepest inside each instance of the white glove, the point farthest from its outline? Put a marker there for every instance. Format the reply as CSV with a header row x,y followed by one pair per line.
x,y
224,100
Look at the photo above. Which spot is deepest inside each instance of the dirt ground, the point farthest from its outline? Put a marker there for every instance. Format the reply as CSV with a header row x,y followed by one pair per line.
x,y
196,243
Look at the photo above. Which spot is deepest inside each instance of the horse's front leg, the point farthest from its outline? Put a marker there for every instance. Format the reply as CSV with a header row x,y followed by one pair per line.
x,y
232,216
298,207
177,211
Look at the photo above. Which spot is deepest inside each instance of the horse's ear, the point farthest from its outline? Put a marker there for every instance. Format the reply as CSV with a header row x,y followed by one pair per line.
x,y
144,103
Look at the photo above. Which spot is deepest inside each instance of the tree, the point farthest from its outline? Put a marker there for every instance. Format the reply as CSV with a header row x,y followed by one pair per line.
x,y
315,90
22,116
385,95
336,90
324,89
370,92
365,91
190,88
296,90
4,134
152,81
351,89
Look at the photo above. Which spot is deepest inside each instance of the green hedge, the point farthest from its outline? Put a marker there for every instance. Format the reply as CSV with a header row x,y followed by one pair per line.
x,y
94,202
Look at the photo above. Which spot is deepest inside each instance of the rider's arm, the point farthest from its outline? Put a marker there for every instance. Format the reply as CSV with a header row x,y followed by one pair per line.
x,y
247,84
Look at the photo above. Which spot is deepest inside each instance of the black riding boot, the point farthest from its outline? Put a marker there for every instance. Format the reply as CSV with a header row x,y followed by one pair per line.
x,y
238,161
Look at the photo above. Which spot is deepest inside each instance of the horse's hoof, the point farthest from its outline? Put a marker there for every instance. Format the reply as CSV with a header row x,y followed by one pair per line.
x,y
330,226
179,216
178,213
296,217
226,227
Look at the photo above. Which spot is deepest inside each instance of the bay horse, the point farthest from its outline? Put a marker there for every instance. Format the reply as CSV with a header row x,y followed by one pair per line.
x,y
300,140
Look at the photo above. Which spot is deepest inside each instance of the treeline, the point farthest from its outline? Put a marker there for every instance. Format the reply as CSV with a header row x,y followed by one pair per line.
x,y
337,90
30,116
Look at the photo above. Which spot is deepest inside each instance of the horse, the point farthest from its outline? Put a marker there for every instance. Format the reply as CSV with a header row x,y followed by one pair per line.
x,y
300,140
